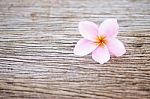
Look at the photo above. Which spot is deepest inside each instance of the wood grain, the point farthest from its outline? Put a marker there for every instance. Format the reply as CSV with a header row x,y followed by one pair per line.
x,y
37,38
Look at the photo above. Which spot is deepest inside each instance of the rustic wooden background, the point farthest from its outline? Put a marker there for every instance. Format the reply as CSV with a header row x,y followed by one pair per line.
x,y
37,38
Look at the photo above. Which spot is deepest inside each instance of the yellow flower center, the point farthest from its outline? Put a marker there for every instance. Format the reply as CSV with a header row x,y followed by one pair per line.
x,y
101,41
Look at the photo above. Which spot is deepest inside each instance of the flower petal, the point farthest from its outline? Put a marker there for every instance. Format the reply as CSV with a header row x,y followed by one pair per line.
x,y
109,28
88,30
116,47
101,54
84,47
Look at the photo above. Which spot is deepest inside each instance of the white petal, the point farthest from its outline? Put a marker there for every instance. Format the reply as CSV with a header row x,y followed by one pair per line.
x,y
84,47
116,47
109,28
101,54
88,30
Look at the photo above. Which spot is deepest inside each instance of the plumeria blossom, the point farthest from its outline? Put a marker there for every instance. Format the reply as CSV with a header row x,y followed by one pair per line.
x,y
100,41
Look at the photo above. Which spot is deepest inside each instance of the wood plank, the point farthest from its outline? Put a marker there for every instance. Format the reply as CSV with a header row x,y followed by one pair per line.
x,y
37,38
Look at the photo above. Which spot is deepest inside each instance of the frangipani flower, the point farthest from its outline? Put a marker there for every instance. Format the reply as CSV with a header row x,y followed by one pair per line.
x,y
100,41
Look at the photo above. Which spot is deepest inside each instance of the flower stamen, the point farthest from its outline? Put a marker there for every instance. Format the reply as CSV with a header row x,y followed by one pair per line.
x,y
101,41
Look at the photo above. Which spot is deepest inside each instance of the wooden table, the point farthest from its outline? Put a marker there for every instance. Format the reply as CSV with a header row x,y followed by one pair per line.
x,y
37,38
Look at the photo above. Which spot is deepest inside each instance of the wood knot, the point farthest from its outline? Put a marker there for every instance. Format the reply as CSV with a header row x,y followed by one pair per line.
x,y
34,16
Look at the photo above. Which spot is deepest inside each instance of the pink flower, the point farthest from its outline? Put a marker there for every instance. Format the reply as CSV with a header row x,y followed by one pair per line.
x,y
101,41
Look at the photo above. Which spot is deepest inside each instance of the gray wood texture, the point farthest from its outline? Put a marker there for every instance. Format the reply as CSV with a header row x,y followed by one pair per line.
x,y
37,38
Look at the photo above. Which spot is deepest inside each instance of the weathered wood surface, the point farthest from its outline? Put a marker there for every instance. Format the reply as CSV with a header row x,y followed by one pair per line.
x,y
37,38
